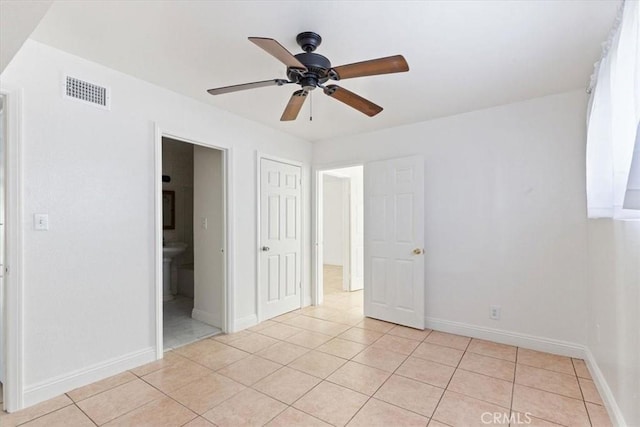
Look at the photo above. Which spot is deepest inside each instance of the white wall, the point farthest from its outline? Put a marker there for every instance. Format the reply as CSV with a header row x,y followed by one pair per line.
x,y
208,239
614,311
334,233
505,219
92,275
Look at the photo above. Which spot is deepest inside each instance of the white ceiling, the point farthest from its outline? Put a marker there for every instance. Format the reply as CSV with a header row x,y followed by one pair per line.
x,y
18,19
463,55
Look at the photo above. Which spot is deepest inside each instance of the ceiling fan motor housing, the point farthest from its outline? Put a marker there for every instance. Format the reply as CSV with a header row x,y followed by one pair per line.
x,y
318,67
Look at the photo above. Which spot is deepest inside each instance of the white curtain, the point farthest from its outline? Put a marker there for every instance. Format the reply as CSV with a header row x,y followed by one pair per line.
x,y
613,118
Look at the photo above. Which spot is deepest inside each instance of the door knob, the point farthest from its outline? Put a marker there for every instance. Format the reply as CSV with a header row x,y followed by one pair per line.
x,y
265,249
418,251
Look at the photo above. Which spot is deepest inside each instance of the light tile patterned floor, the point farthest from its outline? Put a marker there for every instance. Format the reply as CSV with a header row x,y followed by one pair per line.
x,y
179,327
329,365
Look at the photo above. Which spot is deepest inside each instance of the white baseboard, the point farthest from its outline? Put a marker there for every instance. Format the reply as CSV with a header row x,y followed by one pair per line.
x,y
58,385
532,342
206,317
605,392
244,323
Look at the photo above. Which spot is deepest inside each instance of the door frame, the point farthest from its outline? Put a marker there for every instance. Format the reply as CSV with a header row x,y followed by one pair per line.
x,y
13,309
228,247
259,156
317,276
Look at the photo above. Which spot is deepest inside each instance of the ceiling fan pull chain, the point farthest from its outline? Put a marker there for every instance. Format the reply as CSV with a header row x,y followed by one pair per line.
x,y
310,106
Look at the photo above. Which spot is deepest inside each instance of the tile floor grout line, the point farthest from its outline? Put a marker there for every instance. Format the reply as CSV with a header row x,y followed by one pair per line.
x,y
513,386
391,375
86,415
449,382
44,415
584,402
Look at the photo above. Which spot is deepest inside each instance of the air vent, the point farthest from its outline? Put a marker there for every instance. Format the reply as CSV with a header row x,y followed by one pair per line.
x,y
87,92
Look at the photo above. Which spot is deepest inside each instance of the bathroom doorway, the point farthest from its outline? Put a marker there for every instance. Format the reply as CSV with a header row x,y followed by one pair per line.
x,y
193,242
341,236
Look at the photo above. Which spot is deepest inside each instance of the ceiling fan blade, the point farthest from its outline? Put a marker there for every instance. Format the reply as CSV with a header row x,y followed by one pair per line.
x,y
274,48
245,86
293,107
390,64
352,100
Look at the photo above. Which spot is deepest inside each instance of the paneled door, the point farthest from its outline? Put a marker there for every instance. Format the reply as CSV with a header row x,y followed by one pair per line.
x,y
280,238
394,241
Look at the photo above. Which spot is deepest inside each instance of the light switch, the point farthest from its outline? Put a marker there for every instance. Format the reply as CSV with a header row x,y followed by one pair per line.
x,y
41,222
204,223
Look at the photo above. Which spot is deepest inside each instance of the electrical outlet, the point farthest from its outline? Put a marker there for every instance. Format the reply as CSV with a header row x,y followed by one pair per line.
x,y
494,312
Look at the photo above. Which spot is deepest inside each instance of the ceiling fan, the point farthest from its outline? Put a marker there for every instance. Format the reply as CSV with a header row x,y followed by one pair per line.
x,y
311,70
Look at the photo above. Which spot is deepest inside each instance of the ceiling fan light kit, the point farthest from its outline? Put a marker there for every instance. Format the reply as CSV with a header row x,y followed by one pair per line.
x,y
311,70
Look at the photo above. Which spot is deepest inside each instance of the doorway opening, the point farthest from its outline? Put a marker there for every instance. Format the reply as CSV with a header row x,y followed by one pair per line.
x,y
341,252
193,242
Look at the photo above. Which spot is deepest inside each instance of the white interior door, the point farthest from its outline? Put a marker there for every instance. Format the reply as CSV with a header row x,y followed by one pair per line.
x,y
280,238
394,241
356,230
